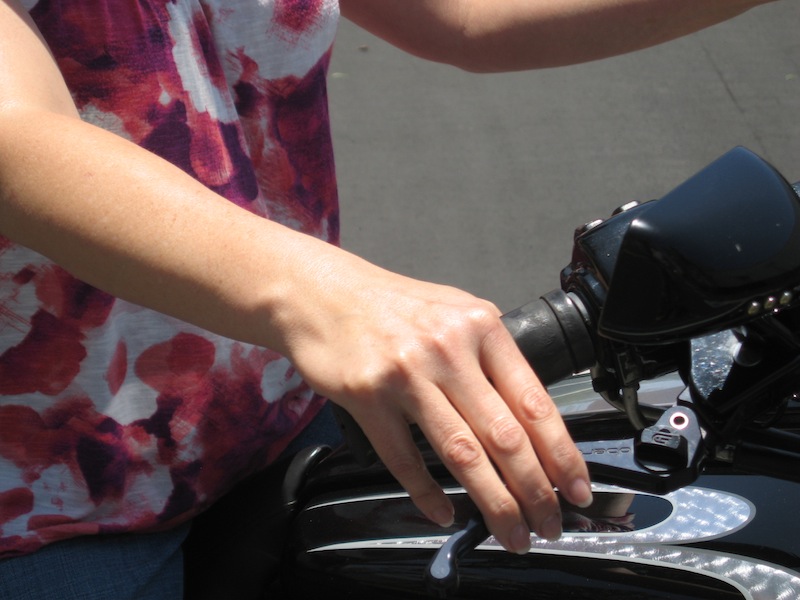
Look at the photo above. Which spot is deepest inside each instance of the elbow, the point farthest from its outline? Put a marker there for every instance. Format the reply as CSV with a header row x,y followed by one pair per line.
x,y
472,56
477,65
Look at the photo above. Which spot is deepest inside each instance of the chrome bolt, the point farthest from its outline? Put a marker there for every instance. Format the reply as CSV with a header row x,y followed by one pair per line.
x,y
625,207
590,225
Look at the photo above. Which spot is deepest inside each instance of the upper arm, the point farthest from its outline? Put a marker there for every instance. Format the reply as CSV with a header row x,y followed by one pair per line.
x,y
503,35
29,76
430,29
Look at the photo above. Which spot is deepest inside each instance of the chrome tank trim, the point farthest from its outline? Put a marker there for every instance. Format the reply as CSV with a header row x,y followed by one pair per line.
x,y
698,514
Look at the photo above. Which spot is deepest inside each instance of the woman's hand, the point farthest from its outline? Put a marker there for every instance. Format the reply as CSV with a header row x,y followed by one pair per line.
x,y
392,350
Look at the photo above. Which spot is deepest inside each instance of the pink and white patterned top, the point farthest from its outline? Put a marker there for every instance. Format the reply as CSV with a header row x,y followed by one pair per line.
x,y
113,417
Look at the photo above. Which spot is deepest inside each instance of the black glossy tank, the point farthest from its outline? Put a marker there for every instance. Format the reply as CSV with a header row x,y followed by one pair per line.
x,y
726,536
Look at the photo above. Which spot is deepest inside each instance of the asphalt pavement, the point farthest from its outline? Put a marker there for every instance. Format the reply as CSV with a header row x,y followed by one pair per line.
x,y
479,181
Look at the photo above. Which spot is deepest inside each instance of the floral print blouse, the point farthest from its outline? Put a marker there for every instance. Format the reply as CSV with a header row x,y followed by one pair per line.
x,y
114,417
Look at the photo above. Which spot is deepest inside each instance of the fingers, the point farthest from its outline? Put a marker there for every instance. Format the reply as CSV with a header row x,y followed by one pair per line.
x,y
524,498
504,441
512,426
533,408
389,434
465,456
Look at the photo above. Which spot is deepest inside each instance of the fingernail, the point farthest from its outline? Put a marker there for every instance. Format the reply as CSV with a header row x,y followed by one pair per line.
x,y
551,527
580,493
443,517
520,540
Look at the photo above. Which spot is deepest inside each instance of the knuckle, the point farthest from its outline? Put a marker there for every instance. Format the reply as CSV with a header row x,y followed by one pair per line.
x,y
376,377
360,382
406,468
506,436
424,494
565,453
504,507
536,405
446,336
462,452
541,498
440,342
356,386
484,315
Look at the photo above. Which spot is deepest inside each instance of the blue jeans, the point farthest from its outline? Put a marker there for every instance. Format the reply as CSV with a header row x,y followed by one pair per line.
x,y
119,567
99,567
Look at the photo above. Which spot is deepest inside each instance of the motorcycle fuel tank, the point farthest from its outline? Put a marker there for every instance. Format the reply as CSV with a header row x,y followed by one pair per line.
x,y
727,536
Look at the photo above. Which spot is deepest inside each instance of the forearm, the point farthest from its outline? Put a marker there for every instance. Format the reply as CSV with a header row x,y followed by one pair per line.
x,y
123,219
134,225
487,35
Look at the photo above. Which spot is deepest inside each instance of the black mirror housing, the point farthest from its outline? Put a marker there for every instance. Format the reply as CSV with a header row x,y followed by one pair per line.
x,y
715,251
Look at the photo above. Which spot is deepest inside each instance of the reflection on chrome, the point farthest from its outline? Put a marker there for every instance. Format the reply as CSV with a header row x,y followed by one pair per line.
x,y
698,514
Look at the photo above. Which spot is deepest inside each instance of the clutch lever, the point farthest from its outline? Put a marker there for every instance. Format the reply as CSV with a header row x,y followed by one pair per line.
x,y
442,573
658,459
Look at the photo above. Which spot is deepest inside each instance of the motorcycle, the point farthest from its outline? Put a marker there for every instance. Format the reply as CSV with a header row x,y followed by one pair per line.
x,y
672,349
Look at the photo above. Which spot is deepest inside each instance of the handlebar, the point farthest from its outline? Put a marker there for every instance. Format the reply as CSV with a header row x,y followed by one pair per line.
x,y
704,281
553,335
709,273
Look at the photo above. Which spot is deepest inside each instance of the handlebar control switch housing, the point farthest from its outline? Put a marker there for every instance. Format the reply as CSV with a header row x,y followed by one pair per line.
x,y
700,258
717,252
